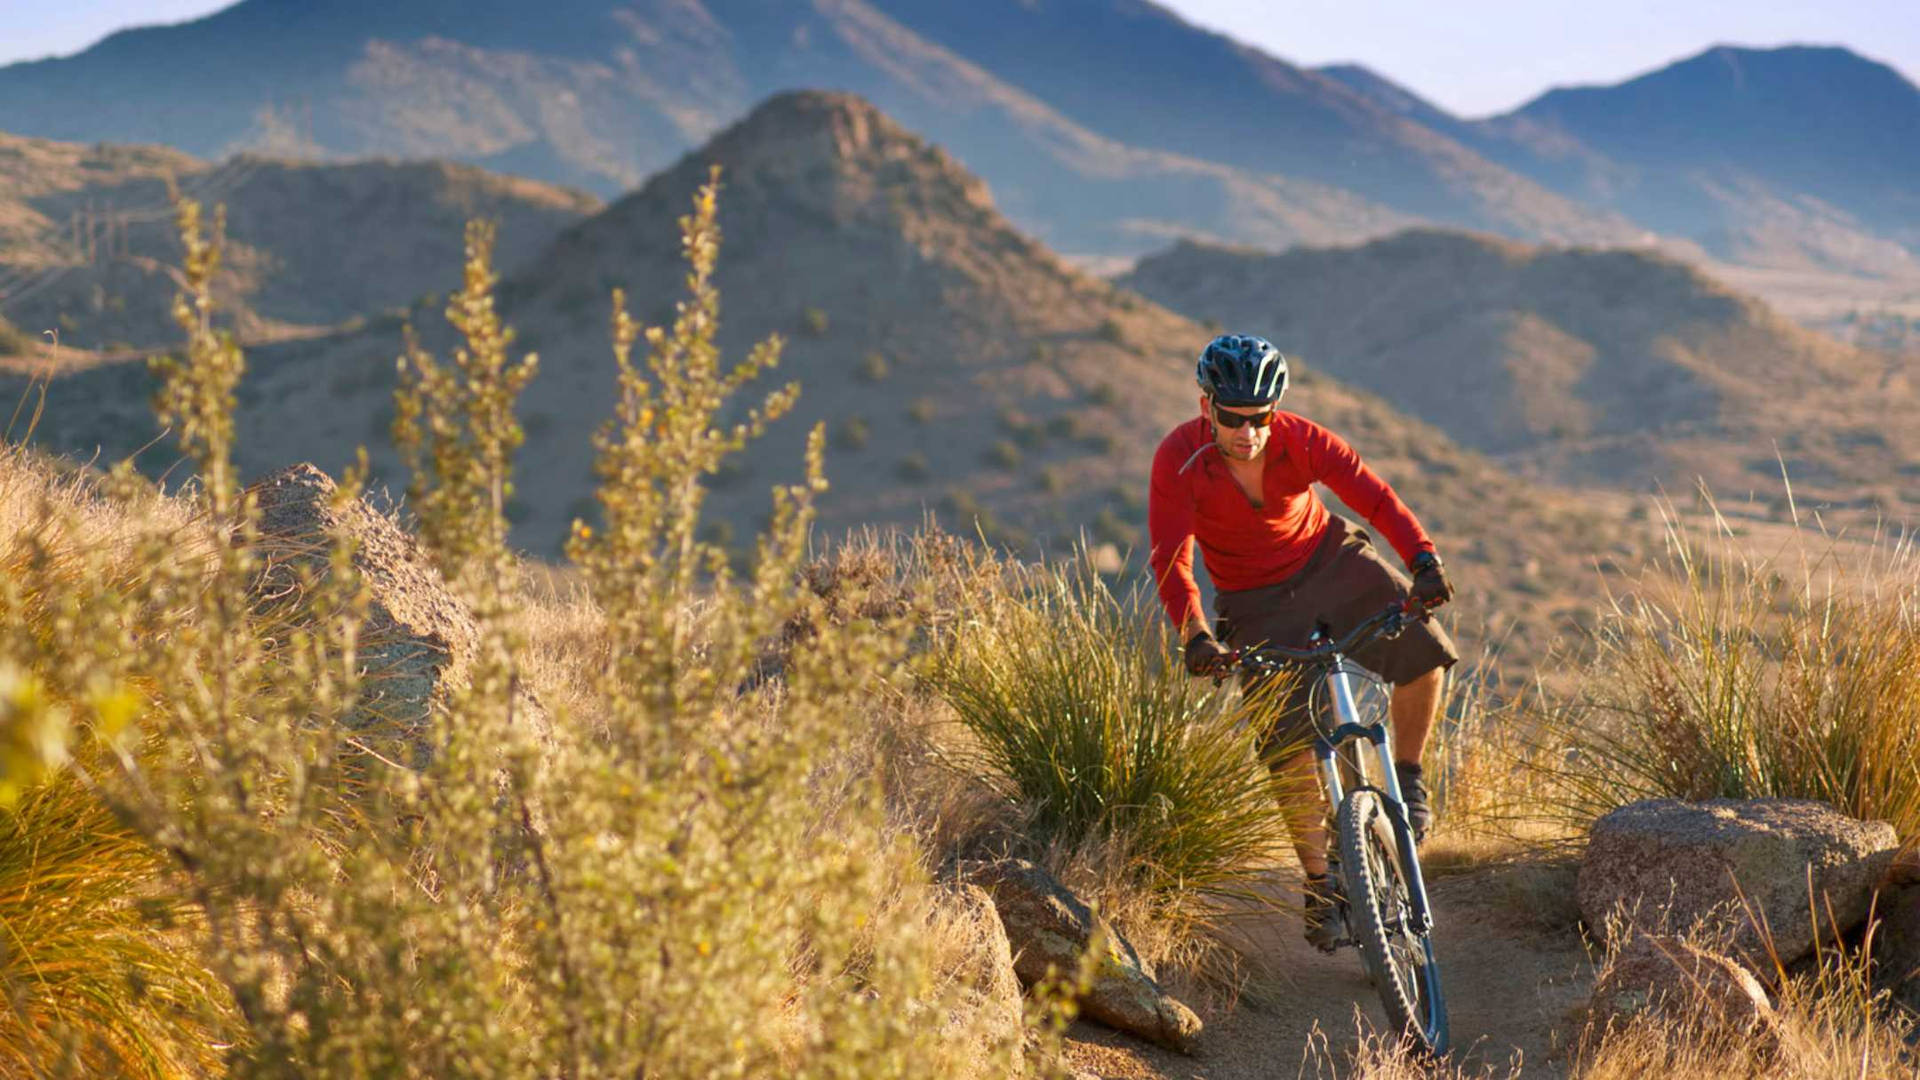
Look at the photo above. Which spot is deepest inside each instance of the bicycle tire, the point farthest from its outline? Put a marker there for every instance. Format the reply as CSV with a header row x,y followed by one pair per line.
x,y
1399,962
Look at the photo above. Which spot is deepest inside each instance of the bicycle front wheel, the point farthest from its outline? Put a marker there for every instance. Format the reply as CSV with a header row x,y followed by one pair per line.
x,y
1399,960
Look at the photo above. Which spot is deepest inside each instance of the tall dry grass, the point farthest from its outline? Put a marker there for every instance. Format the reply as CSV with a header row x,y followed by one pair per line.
x,y
1727,671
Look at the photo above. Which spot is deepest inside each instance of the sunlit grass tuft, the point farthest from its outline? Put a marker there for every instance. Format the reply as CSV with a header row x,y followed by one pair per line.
x,y
1728,673
1082,723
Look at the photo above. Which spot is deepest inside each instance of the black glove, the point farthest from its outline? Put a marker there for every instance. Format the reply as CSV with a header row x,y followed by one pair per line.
x,y
1430,584
1204,655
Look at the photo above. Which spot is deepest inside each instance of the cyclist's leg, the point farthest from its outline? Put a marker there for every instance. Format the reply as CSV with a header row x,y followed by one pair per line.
x,y
1413,706
1304,810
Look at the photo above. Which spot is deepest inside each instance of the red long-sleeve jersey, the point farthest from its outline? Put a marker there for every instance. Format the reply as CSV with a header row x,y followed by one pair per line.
x,y
1193,496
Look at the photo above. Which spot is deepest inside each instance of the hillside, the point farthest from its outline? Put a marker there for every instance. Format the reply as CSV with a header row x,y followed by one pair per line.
x,y
960,366
1573,365
602,95
86,236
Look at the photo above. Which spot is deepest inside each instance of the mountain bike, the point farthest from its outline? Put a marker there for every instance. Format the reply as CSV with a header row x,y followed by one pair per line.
x,y
1374,871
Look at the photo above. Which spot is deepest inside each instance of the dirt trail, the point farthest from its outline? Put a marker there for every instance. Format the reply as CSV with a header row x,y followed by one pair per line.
x,y
1515,970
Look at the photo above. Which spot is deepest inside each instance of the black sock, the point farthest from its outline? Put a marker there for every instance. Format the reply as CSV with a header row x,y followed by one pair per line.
x,y
1410,770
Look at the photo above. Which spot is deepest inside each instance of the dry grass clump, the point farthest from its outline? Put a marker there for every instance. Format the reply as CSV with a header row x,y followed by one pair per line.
x,y
1729,673
1106,752
1827,1022
98,972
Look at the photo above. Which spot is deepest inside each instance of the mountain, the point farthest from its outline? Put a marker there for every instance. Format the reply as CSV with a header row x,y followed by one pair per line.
x,y
1795,159
959,365
603,94
1799,134
1573,365
87,236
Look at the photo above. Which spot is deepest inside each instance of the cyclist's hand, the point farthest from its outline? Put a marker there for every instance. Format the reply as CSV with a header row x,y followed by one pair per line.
x,y
1205,656
1430,585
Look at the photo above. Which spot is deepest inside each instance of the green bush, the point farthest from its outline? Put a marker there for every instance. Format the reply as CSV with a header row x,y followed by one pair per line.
x,y
915,467
1005,455
814,322
1111,528
1111,331
851,434
1086,727
874,368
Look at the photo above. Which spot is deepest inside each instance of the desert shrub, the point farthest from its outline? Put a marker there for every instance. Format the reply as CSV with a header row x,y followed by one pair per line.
x,y
874,368
1087,729
1724,672
814,322
694,878
1004,454
851,434
1111,331
1104,443
1109,527
12,341
1102,394
915,467
921,410
1025,430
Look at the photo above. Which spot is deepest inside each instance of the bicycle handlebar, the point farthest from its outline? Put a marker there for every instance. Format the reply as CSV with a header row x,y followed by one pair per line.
x,y
1389,622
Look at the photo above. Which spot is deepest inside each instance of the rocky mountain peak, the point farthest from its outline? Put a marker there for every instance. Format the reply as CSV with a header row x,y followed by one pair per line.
x,y
833,147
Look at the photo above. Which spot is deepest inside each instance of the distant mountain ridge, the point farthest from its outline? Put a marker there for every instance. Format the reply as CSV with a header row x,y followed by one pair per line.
x,y
602,94
1795,157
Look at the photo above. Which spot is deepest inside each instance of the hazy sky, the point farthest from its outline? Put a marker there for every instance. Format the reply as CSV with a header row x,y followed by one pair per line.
x,y
1471,56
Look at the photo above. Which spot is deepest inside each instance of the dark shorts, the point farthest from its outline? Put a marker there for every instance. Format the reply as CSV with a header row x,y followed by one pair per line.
x,y
1343,582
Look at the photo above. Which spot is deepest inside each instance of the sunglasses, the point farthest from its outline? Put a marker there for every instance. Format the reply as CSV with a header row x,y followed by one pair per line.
x,y
1234,420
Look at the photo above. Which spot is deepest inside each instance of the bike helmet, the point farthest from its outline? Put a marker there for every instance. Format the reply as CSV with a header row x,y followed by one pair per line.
x,y
1240,369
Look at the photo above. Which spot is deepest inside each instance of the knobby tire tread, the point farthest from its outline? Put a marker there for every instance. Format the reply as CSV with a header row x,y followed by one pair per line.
x,y
1355,822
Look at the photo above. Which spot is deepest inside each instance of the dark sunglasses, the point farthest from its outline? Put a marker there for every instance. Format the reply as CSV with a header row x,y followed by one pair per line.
x,y
1234,420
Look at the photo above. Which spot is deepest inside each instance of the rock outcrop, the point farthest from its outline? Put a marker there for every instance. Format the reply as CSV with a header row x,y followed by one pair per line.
x,y
988,1006
1742,869
1050,929
1669,978
418,637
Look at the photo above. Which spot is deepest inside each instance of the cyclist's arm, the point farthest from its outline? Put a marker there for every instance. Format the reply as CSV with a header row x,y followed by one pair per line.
x,y
1335,464
1170,531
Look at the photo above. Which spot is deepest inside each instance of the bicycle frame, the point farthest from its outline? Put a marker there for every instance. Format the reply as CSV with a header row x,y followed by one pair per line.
x,y
1338,677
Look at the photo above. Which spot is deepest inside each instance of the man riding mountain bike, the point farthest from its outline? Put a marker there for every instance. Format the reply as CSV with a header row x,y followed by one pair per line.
x,y
1239,479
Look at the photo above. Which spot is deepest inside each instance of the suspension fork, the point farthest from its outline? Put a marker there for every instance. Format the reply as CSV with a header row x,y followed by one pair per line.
x,y
1347,727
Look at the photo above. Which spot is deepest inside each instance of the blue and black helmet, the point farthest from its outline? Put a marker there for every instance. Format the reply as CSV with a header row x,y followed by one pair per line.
x,y
1240,369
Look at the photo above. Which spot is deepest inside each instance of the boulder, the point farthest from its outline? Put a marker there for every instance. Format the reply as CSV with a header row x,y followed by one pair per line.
x,y
1669,978
1050,928
1737,869
1896,945
417,638
988,1005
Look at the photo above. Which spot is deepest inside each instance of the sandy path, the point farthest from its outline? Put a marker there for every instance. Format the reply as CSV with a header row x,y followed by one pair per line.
x,y
1511,986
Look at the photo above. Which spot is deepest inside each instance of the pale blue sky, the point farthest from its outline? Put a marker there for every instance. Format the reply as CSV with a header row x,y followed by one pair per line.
x,y
1471,56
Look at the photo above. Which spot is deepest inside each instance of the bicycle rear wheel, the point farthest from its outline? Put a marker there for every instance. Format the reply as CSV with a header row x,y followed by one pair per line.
x,y
1399,961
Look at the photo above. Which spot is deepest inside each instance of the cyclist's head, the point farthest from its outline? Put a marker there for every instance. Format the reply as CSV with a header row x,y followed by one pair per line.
x,y
1240,376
